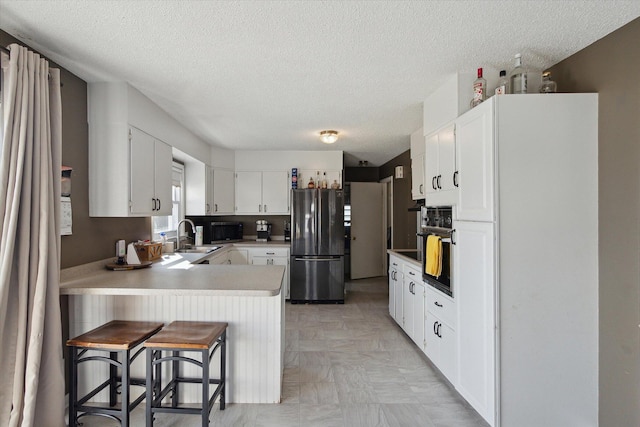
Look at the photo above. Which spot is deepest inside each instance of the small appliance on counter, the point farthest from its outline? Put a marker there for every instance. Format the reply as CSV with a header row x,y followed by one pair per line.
x,y
223,232
263,231
287,231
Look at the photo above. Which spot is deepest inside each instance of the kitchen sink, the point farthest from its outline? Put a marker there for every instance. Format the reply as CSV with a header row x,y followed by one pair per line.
x,y
198,250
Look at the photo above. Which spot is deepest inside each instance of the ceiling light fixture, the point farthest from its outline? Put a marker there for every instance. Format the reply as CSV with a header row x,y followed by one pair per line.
x,y
329,136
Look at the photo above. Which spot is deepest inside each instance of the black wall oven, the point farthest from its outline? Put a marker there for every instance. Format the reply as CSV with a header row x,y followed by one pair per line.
x,y
438,222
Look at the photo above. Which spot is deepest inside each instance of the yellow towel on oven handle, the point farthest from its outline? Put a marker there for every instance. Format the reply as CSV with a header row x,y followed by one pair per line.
x,y
433,264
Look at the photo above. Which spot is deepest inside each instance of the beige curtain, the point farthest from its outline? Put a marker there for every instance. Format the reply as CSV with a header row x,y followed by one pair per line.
x,y
31,367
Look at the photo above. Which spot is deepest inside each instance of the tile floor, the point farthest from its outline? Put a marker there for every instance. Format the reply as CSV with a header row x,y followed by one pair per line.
x,y
345,365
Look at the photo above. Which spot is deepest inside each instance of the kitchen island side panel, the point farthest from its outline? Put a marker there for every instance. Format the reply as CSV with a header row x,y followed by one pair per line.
x,y
255,338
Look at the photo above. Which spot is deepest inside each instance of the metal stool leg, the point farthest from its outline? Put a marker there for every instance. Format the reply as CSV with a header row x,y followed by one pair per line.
x,y
113,380
151,391
175,376
223,362
126,384
73,386
205,388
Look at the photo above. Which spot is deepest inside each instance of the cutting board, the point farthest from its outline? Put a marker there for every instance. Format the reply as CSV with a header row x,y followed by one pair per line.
x,y
124,267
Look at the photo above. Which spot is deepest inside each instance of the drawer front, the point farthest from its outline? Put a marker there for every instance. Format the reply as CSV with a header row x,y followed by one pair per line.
x,y
412,273
441,305
270,252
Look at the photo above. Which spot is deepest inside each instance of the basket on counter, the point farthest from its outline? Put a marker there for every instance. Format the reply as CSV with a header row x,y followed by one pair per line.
x,y
148,251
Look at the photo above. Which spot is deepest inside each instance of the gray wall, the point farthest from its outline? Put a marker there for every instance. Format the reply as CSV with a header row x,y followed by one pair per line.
x,y
93,239
611,67
404,222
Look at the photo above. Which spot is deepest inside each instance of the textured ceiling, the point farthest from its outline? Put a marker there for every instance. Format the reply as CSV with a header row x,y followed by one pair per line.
x,y
249,75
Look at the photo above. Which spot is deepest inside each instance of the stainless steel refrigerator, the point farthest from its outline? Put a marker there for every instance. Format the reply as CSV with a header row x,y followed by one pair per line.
x,y
317,246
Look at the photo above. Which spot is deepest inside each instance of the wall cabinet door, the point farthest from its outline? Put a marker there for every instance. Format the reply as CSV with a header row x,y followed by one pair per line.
x,y
223,192
475,159
440,167
418,189
262,192
474,273
248,192
275,192
150,185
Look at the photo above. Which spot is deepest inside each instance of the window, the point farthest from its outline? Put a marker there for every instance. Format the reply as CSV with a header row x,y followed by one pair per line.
x,y
169,224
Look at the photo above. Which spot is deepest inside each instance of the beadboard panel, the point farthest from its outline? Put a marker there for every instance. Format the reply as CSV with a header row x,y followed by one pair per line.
x,y
255,339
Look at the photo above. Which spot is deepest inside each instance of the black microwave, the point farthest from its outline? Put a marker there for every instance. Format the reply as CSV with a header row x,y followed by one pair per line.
x,y
220,232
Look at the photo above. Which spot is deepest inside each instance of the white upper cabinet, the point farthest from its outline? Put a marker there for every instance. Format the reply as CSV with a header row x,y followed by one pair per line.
x,y
223,192
440,171
475,160
264,193
150,186
417,165
130,152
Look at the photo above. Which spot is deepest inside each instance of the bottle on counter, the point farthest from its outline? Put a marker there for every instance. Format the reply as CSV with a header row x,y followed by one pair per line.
x,y
548,85
479,89
518,77
503,84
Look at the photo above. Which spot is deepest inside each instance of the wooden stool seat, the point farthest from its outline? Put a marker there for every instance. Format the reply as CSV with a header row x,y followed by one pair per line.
x,y
116,340
170,346
116,335
185,335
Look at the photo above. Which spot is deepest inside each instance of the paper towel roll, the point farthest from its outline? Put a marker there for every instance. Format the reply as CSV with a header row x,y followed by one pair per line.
x,y
132,255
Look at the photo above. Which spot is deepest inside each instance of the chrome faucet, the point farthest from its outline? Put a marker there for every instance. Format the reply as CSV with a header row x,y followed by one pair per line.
x,y
193,230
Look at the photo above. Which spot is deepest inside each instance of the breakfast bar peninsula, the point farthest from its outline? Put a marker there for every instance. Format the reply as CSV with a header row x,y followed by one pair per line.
x,y
177,287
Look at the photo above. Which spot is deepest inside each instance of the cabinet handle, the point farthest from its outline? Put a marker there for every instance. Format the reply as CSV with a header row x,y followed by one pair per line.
x,y
455,179
438,182
265,208
259,208
153,204
420,188
453,233
438,304
208,208
433,183
215,207
435,328
159,204
439,334
412,273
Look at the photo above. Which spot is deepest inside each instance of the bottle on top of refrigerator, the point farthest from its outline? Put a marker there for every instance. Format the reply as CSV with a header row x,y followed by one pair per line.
x,y
324,180
548,85
479,89
503,84
518,77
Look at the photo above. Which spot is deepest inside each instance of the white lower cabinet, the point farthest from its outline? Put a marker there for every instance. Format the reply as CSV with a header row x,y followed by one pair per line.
x,y
231,256
475,280
413,294
440,333
272,256
394,266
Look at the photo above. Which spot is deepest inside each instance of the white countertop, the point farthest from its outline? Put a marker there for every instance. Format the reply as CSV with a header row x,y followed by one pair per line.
x,y
401,254
175,274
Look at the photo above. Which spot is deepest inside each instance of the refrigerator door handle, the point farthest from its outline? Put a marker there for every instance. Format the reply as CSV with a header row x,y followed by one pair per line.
x,y
318,220
317,259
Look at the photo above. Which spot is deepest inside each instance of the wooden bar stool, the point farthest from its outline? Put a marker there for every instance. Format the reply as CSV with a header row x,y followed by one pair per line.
x,y
179,337
118,338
